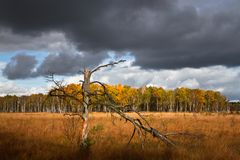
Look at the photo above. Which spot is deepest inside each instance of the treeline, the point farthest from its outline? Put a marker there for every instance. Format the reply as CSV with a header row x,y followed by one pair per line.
x,y
143,99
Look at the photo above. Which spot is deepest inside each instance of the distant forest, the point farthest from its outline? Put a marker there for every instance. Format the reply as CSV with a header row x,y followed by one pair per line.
x,y
142,99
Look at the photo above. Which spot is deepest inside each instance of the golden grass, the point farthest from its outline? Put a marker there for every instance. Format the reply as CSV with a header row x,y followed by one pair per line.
x,y
54,136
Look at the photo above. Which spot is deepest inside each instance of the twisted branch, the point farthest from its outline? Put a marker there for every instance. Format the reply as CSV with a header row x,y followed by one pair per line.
x,y
106,65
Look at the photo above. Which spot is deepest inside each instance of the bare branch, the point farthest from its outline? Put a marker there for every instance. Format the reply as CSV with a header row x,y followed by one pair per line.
x,y
62,94
50,78
81,81
141,116
106,65
138,125
81,71
184,134
132,135
140,136
135,122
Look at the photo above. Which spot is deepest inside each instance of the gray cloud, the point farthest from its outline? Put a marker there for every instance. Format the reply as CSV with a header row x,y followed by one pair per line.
x,y
60,64
24,66
21,66
68,64
160,33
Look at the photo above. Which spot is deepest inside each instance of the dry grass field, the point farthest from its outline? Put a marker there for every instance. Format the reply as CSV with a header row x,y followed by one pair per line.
x,y
25,136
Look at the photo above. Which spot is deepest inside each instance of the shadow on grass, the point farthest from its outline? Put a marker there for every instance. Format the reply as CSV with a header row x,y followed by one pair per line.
x,y
13,147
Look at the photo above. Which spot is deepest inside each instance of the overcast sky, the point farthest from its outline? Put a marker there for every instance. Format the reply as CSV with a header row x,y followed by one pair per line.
x,y
168,43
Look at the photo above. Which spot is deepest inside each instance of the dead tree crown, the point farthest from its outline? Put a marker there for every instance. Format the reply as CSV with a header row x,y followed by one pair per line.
x,y
139,123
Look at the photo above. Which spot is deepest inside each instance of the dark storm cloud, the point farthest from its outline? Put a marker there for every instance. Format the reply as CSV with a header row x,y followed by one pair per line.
x,y
21,66
160,33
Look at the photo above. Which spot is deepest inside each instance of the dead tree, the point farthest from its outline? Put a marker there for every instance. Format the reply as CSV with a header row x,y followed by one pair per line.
x,y
140,124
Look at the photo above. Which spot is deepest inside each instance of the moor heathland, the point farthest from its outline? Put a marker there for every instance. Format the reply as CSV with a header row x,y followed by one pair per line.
x,y
54,136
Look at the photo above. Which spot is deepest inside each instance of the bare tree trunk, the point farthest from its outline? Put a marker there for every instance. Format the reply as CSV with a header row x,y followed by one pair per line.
x,y
147,107
86,90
